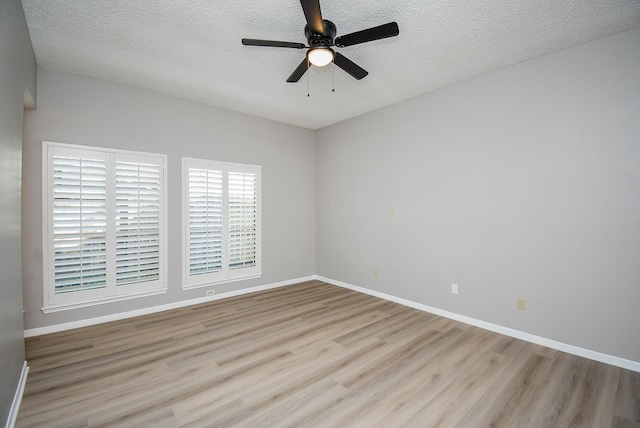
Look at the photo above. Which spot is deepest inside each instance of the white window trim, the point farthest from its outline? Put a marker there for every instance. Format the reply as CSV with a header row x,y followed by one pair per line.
x,y
194,282
49,304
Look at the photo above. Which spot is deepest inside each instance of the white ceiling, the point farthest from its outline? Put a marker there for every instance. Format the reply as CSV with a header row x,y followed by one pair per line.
x,y
191,48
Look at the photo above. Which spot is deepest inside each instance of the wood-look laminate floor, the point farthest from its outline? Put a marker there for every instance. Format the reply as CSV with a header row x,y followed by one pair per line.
x,y
314,355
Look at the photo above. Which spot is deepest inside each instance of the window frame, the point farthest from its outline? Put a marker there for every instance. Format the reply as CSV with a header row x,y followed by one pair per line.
x,y
225,275
112,292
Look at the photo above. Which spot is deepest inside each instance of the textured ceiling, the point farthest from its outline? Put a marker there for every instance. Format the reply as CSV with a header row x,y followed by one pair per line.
x,y
191,48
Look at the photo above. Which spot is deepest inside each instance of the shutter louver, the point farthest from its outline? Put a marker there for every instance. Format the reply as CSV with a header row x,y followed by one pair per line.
x,y
137,222
205,221
243,220
79,224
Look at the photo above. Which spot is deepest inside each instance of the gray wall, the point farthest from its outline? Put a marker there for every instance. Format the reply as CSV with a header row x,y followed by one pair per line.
x,y
79,110
17,75
524,182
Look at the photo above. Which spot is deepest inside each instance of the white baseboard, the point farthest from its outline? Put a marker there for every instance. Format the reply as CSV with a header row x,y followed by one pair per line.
x,y
560,346
39,331
17,398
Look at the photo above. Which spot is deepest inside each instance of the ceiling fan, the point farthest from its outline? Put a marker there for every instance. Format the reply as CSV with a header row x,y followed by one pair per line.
x,y
321,36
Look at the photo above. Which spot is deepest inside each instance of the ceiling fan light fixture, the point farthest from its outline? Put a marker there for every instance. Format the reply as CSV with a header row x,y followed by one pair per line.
x,y
320,56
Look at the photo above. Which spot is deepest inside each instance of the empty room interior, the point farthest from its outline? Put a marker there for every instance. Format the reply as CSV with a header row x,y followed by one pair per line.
x,y
203,224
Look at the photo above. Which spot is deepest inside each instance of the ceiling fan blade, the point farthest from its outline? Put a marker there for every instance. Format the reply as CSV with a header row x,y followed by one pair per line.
x,y
272,43
299,71
375,33
312,12
349,66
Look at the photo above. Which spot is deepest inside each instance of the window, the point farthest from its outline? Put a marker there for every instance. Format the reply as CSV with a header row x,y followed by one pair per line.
x,y
103,231
221,217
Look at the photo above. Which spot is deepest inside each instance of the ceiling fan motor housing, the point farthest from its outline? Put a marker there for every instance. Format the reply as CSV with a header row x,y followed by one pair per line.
x,y
325,39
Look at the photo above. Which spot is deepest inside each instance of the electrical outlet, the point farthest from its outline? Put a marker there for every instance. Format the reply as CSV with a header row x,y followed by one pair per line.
x,y
393,212
454,288
522,304
210,292
375,272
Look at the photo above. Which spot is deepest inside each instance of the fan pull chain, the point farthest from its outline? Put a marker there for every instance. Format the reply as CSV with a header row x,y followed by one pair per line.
x,y
333,70
308,77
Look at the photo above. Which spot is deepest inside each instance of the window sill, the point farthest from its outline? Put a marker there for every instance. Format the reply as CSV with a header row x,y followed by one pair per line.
x,y
220,281
77,305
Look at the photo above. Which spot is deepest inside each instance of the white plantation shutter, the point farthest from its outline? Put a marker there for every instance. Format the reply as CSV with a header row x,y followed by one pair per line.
x,y
205,221
243,219
221,216
79,223
137,222
103,227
